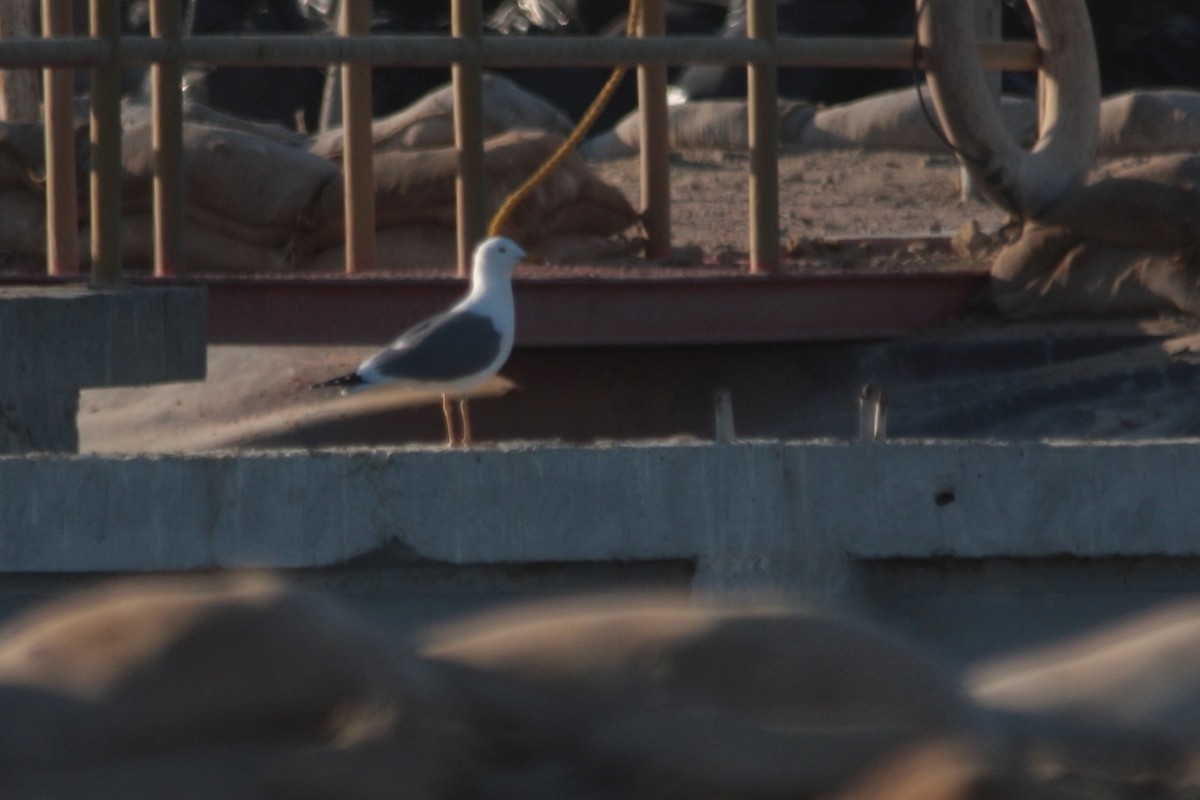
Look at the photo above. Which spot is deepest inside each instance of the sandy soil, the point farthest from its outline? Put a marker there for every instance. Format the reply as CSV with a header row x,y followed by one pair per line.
x,y
830,194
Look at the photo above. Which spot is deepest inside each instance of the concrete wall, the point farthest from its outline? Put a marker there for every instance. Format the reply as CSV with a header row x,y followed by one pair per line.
x,y
55,340
774,503
966,544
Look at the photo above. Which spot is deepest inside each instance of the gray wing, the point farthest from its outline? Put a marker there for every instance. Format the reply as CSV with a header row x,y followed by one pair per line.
x,y
444,347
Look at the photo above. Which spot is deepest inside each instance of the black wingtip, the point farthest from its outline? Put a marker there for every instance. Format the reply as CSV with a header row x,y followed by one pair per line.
x,y
345,382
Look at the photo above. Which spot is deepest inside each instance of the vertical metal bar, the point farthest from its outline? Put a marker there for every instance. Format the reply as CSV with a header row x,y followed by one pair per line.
x,y
656,146
105,24
167,137
466,22
358,162
62,195
762,82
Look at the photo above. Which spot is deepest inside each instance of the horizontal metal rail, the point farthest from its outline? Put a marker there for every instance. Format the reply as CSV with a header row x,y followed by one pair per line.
x,y
496,52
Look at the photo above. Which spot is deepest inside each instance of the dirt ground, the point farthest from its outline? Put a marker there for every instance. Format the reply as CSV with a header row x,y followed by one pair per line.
x,y
823,195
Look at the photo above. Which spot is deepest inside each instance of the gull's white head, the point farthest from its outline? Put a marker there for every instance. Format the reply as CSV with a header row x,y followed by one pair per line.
x,y
496,257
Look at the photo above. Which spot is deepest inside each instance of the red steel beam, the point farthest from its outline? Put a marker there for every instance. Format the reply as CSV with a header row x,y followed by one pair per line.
x,y
601,312
670,308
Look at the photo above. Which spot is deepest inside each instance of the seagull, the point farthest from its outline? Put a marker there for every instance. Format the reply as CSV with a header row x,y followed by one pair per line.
x,y
456,350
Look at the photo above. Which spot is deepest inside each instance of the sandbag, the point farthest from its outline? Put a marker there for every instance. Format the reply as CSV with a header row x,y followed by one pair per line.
x,y
398,248
148,665
1149,121
1125,695
1178,168
1132,212
1051,272
1023,265
429,122
888,120
135,114
232,228
698,125
205,249
646,692
596,208
588,249
234,174
1126,243
419,187
219,687
895,121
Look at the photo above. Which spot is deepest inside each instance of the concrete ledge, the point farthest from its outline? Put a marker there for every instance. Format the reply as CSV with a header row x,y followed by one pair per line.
x,y
789,514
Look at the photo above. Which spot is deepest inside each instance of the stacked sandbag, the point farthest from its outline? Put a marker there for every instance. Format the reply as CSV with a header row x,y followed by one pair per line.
x,y
258,198
242,686
249,190
1126,243
216,688
415,202
429,122
247,199
892,120
224,687
571,216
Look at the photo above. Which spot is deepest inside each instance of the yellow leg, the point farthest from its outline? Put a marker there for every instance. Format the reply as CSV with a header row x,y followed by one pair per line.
x,y
466,421
448,413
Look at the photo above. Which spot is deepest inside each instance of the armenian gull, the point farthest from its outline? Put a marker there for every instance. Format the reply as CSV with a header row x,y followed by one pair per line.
x,y
456,350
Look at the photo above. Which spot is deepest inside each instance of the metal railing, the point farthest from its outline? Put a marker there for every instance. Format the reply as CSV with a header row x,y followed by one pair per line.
x,y
467,51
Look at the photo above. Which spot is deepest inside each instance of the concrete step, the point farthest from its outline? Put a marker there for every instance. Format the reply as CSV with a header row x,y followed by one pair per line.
x,y
56,340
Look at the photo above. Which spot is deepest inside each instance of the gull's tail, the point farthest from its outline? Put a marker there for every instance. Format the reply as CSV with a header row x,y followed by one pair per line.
x,y
346,383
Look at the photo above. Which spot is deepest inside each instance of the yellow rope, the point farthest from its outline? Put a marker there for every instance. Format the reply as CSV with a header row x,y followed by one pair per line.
x,y
585,122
